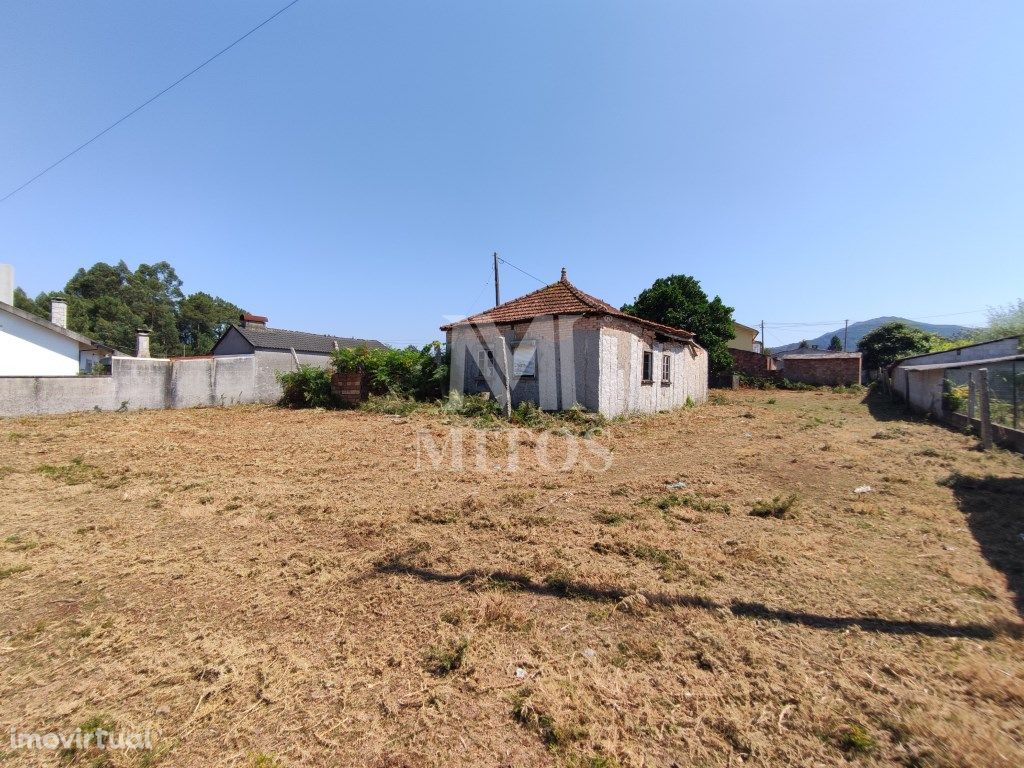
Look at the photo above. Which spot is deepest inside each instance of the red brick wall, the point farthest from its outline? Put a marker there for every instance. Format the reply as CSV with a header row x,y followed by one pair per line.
x,y
752,363
827,371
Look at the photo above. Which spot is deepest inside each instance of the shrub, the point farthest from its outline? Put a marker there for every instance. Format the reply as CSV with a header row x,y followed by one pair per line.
x,y
779,507
410,372
954,397
473,406
307,387
855,740
527,414
446,657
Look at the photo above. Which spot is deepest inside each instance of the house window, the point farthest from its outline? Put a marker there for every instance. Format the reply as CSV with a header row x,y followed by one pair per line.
x,y
666,369
647,375
524,360
485,362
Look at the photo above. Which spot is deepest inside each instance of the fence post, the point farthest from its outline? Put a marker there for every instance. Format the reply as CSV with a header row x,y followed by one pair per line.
x,y
505,373
1013,381
986,415
971,395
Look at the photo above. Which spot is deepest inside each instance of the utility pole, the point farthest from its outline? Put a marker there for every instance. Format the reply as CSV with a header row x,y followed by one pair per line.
x,y
762,337
846,334
497,284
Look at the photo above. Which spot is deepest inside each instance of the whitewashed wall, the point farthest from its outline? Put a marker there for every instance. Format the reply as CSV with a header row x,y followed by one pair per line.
x,y
28,349
621,388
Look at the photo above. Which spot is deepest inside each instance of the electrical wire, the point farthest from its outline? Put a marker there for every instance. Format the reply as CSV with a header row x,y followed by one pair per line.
x,y
147,102
503,261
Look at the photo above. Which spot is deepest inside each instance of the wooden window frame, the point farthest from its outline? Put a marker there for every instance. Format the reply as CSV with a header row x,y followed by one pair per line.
x,y
647,367
666,369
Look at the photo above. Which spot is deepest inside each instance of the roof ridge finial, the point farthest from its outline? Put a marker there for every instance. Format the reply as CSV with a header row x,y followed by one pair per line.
x,y
565,276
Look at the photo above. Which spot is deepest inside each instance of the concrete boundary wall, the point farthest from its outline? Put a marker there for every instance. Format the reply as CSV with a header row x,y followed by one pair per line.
x,y
136,384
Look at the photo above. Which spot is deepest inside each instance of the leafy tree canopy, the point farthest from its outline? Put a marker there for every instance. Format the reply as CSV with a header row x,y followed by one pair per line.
x,y
679,301
893,341
836,344
1003,322
109,302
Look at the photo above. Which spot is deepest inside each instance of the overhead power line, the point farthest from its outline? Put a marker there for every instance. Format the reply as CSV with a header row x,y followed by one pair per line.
x,y
503,261
147,102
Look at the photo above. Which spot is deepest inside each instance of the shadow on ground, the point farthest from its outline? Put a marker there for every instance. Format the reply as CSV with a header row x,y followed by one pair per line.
x,y
583,591
994,507
885,407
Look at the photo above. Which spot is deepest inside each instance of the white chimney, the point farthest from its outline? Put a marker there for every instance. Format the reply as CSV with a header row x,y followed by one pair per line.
x,y
6,283
142,342
59,312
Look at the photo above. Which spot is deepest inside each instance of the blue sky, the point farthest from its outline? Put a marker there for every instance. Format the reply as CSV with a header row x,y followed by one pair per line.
x,y
351,166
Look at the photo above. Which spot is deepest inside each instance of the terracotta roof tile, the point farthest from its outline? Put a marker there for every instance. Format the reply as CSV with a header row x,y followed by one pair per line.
x,y
560,298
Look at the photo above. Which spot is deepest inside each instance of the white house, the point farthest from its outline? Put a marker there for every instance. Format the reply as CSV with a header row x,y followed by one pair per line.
x,y
558,347
33,346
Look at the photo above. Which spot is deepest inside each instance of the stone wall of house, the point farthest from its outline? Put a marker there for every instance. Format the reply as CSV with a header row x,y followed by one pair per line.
x,y
823,371
595,361
622,387
565,361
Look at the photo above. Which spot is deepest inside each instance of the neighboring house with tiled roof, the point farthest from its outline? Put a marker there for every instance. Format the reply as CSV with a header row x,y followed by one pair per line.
x,y
34,346
276,349
559,346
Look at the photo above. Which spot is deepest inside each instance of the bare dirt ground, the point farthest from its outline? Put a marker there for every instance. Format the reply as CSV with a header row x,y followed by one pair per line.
x,y
264,587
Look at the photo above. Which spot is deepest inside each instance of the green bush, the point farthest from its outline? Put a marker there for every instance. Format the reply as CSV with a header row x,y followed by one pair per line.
x,y
410,372
954,396
527,414
307,387
474,406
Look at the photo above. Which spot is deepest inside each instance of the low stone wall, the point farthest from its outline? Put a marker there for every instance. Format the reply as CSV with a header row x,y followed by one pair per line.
x,y
822,371
135,384
1007,437
752,364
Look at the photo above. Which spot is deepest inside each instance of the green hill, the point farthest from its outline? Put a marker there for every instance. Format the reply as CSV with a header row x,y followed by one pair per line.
x,y
862,327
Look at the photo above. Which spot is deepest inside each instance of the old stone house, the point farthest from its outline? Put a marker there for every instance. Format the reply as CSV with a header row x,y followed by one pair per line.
x,y
558,347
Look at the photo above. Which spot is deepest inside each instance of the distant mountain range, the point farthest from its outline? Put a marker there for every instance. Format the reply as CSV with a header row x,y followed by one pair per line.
x,y
861,328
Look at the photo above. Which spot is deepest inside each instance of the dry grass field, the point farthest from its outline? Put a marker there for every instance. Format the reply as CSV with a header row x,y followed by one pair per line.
x,y
264,587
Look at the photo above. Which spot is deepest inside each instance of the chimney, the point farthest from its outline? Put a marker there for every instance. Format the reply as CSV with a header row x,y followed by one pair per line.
x,y
6,283
565,276
59,312
142,342
253,321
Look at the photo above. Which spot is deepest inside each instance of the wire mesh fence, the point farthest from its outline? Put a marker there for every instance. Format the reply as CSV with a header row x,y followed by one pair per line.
x,y
961,392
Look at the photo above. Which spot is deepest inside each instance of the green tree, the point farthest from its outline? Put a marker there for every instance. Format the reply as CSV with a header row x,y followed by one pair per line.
x,y
202,318
679,301
23,301
804,344
109,302
1003,322
891,342
836,344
